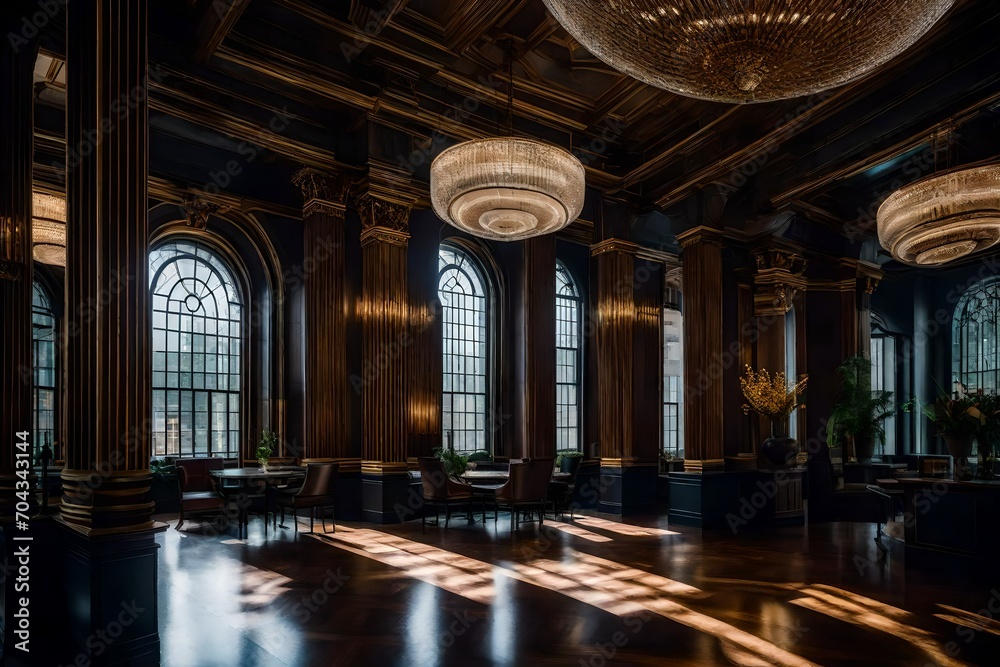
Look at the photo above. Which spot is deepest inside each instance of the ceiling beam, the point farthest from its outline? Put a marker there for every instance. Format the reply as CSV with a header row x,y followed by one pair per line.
x,y
217,20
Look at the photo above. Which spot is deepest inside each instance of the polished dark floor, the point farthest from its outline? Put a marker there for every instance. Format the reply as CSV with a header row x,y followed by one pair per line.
x,y
587,592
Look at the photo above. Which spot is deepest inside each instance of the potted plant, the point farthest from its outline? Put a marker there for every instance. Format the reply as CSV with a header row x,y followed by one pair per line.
x,y
165,485
771,396
455,464
861,412
958,420
266,446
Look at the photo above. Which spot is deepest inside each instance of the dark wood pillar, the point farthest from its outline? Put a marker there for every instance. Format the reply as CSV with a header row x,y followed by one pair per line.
x,y
628,319
703,349
107,275
327,399
538,303
385,321
425,364
17,60
110,551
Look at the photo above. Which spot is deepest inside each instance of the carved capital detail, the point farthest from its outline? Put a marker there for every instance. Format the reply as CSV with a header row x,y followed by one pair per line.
x,y
197,212
777,282
774,299
322,192
780,260
385,215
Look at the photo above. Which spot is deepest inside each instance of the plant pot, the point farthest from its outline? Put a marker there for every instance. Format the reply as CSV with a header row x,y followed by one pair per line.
x,y
779,451
263,464
864,448
960,448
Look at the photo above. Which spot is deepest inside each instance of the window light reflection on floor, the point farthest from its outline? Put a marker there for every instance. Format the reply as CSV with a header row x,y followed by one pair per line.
x,y
604,584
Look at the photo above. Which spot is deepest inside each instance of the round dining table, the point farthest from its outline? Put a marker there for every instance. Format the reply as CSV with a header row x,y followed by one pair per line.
x,y
270,477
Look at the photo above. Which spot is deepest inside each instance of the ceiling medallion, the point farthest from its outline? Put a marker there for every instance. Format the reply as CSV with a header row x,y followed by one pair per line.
x,y
747,51
507,189
942,218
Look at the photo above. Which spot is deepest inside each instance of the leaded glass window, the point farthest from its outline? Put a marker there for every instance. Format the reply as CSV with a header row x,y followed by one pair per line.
x,y
569,321
465,345
197,352
976,351
43,340
673,384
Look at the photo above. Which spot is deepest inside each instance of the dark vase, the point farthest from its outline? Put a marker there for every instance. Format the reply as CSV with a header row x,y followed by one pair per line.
x,y
960,448
779,451
864,448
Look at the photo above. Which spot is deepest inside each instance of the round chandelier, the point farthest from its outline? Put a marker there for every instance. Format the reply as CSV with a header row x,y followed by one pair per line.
x,y
942,218
507,189
48,229
747,51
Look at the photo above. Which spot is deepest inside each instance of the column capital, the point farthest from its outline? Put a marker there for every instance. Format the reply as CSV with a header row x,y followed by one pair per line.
x,y
383,220
869,276
322,192
777,281
614,245
701,234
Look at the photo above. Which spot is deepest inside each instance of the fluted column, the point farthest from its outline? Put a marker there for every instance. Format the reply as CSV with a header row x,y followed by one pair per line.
x,y
703,347
385,317
16,64
107,478
616,316
327,412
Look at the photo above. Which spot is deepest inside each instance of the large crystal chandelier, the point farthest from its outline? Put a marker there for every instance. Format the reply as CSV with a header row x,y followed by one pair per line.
x,y
48,229
745,51
942,218
507,188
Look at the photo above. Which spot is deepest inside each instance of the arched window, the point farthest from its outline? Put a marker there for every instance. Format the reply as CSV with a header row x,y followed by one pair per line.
x,y
465,346
673,383
569,366
976,340
43,340
197,350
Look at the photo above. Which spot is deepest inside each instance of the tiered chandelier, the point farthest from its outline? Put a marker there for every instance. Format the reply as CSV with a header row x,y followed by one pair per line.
x,y
48,229
744,51
942,218
507,188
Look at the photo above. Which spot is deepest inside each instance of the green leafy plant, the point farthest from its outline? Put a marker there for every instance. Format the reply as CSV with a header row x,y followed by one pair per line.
x,y
961,416
162,468
454,463
267,445
860,411
567,454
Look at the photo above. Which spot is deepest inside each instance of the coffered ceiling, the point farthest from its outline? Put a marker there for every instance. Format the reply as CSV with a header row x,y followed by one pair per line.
x,y
359,84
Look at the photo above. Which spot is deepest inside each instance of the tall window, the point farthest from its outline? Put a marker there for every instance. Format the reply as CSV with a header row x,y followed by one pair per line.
x,y
883,355
673,383
569,320
43,340
976,340
464,314
197,341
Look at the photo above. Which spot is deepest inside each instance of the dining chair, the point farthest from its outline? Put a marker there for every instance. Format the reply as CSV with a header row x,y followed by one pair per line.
x,y
318,490
197,490
526,489
561,491
439,489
